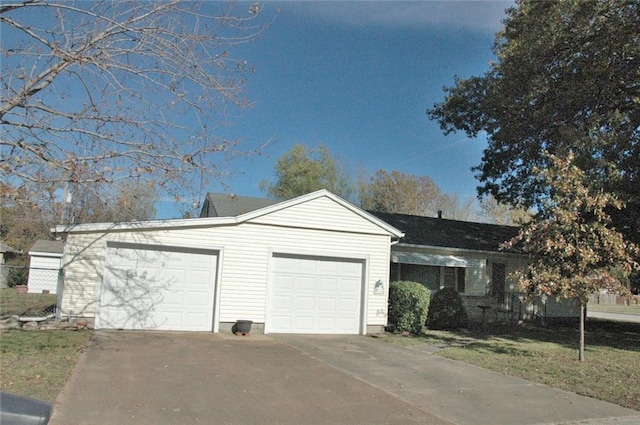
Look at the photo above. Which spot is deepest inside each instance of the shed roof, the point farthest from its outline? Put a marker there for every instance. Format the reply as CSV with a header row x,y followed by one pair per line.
x,y
53,247
226,205
429,231
6,248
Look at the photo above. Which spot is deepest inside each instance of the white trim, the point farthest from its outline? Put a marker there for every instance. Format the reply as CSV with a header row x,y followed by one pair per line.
x,y
45,254
460,250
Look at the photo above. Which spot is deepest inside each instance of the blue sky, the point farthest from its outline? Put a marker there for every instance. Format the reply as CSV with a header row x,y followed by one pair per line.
x,y
358,77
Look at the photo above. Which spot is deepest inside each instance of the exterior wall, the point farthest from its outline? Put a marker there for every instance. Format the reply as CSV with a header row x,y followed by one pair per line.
x,y
43,273
245,253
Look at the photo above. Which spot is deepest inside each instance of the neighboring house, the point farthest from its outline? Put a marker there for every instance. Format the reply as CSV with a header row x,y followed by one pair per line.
x,y
313,264
469,257
44,266
6,253
225,205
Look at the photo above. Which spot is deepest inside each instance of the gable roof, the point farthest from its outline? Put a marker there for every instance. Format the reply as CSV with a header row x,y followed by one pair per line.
x,y
439,232
53,247
213,221
226,205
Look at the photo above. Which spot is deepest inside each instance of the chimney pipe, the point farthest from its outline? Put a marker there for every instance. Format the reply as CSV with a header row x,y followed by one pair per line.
x,y
439,213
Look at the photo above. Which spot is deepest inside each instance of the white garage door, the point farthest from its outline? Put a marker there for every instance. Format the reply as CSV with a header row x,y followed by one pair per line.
x,y
315,295
152,287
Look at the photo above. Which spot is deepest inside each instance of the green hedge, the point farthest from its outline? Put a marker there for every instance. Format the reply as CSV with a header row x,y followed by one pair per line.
x,y
408,306
446,311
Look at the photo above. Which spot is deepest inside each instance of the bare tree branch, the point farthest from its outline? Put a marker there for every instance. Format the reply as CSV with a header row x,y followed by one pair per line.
x,y
104,91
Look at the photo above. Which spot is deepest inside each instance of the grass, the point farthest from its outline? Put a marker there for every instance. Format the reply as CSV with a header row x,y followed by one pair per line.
x,y
36,363
12,303
549,356
613,308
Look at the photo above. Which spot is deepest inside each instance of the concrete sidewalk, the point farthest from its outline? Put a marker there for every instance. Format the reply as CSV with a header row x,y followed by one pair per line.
x,y
455,391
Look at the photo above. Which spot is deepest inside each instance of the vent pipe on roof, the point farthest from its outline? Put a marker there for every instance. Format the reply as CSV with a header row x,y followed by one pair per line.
x,y
439,213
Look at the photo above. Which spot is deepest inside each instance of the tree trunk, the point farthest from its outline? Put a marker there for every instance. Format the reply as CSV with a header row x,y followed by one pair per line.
x,y
582,314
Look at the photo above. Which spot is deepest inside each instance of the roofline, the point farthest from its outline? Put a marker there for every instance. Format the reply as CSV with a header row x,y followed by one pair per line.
x,y
480,251
208,221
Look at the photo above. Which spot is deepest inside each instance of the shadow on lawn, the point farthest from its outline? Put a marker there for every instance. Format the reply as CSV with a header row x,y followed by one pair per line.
x,y
605,333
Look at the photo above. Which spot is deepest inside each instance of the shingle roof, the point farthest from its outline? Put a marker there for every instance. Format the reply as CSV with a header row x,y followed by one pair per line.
x,y
225,205
449,233
54,247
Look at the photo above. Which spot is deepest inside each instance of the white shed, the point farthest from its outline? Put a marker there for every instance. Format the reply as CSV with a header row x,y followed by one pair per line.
x,y
44,266
313,264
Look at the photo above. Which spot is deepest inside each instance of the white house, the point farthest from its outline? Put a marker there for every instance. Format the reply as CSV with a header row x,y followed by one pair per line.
x,y
44,266
313,264
469,257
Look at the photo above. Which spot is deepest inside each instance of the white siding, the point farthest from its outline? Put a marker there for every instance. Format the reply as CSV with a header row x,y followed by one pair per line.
x,y
246,249
320,213
43,274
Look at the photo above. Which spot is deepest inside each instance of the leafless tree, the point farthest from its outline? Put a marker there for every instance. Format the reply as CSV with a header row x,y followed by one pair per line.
x,y
100,92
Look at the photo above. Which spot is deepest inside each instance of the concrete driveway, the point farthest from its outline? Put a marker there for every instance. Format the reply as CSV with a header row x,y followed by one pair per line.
x,y
178,378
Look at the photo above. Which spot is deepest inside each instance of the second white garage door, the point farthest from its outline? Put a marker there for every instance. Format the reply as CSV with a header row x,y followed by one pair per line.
x,y
152,287
315,295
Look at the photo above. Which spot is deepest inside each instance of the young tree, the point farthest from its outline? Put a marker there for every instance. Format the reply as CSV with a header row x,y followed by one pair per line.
x,y
403,193
108,91
574,249
567,78
303,170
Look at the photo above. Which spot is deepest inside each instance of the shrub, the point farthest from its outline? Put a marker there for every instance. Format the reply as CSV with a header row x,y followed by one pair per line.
x,y
408,305
446,311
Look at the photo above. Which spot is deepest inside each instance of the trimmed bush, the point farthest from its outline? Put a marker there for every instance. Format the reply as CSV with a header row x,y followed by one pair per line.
x,y
408,306
446,311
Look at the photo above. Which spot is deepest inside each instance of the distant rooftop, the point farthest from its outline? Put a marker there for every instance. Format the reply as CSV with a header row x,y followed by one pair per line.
x,y
225,205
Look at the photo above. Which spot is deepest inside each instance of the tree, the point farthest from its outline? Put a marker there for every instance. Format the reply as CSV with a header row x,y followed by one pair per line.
x,y
105,92
302,170
403,193
503,214
574,250
567,79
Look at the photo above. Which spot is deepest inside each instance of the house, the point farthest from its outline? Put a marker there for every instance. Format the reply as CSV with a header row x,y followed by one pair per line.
x,y
6,253
469,257
312,264
44,266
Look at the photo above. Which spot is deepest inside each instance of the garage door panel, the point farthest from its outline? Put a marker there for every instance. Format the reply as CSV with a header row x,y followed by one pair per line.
x,y
157,289
323,295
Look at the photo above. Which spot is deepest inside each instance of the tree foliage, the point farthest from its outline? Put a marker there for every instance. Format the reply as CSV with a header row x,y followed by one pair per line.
x,y
302,170
567,79
496,213
402,193
101,92
574,250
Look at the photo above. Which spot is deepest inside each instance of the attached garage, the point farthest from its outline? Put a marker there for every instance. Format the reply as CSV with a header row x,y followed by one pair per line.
x,y
313,264
315,295
157,287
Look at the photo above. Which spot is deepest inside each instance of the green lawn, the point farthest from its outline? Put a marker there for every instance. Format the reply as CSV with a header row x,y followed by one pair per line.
x,y
32,363
613,308
549,356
